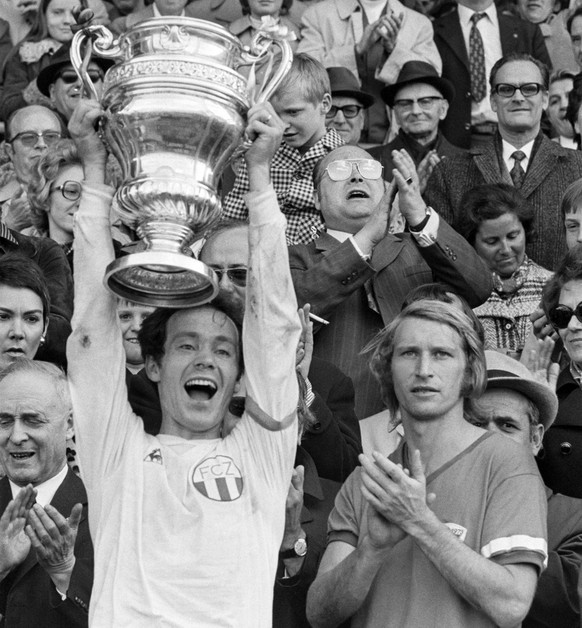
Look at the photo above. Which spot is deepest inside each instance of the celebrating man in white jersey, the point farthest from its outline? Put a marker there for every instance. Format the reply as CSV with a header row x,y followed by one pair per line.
x,y
187,525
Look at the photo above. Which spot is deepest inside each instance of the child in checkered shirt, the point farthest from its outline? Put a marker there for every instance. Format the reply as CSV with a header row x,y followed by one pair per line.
x,y
302,100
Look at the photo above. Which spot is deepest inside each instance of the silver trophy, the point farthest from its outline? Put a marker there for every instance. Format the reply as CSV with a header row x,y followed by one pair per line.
x,y
175,115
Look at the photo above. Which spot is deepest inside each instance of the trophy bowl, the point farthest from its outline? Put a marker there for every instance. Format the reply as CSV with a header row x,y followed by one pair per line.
x,y
175,114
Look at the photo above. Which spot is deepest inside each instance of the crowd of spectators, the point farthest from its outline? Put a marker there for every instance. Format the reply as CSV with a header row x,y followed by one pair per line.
x,y
399,264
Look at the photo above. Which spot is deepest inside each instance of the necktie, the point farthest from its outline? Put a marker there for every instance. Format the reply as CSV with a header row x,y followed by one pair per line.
x,y
517,173
477,60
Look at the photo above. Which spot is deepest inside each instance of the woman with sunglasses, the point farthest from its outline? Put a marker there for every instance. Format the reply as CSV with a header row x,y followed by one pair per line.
x,y
498,223
560,460
50,30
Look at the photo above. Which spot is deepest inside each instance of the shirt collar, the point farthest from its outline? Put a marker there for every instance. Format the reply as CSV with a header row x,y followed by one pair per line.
x,y
341,236
45,491
465,14
508,150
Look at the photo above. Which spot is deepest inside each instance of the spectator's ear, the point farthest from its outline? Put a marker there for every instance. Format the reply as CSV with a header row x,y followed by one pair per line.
x,y
444,109
536,437
325,104
316,199
152,369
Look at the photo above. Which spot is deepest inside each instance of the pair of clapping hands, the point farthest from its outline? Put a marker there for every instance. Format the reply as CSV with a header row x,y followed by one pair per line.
x,y
26,525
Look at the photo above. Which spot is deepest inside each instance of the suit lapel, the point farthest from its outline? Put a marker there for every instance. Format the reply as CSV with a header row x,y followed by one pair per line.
x,y
325,242
489,163
386,252
508,34
452,35
543,162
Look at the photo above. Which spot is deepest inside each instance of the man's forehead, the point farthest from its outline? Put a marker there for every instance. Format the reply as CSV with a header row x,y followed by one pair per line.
x,y
496,402
519,72
345,152
34,119
227,247
28,392
201,320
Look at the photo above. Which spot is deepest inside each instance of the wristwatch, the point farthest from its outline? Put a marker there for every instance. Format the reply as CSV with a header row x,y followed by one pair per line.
x,y
298,550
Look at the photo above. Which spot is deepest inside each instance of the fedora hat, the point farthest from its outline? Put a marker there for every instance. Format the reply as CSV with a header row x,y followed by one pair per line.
x,y
506,372
344,83
61,59
418,72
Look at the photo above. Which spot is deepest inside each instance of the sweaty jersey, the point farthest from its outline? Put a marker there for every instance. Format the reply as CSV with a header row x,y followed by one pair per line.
x,y
492,499
186,532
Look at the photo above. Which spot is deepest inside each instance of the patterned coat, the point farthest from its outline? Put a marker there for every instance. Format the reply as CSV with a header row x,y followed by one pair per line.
x,y
506,321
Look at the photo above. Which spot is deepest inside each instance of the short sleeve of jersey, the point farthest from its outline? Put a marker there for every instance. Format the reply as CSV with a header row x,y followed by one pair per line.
x,y
345,519
515,523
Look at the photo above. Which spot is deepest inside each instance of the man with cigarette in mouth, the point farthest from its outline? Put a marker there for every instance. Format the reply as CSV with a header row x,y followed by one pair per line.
x,y
356,276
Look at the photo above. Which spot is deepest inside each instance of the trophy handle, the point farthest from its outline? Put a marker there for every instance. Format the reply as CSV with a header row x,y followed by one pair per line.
x,y
258,48
100,41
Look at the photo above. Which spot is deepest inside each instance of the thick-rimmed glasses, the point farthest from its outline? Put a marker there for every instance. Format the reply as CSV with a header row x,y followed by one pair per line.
x,y
237,274
342,169
31,138
71,190
561,315
349,111
507,90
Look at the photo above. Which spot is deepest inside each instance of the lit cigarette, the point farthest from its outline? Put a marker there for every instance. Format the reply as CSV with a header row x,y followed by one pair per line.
x,y
318,319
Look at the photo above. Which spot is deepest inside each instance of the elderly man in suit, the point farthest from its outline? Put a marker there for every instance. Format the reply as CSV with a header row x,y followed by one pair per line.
x,y
420,100
46,555
356,276
373,40
470,39
518,155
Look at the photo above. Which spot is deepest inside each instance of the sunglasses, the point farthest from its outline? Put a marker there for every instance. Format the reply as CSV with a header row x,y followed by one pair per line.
x,y
561,315
506,90
70,76
31,138
71,190
342,169
349,111
238,275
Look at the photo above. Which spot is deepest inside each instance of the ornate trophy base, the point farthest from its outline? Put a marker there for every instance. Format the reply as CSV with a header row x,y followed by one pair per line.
x,y
162,279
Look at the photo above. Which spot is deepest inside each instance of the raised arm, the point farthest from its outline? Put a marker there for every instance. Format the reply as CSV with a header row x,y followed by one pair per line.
x,y
95,349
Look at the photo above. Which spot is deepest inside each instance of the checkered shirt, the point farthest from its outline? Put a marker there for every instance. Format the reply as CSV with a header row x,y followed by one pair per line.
x,y
291,173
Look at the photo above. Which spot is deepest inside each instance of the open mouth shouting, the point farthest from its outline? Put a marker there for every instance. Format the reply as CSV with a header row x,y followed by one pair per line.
x,y
356,193
200,389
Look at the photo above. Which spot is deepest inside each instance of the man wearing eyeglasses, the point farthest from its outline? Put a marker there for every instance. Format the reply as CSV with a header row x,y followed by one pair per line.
x,y
519,155
59,81
29,133
420,100
347,113
356,276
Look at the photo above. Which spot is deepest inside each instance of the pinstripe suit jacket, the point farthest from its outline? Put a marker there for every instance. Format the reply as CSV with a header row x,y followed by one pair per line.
x,y
551,170
331,277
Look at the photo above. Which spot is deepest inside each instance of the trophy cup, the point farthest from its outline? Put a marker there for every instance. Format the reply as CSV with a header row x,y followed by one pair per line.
x,y
175,114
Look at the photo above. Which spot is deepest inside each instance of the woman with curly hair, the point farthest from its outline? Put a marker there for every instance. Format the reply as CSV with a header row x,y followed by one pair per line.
x,y
54,194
